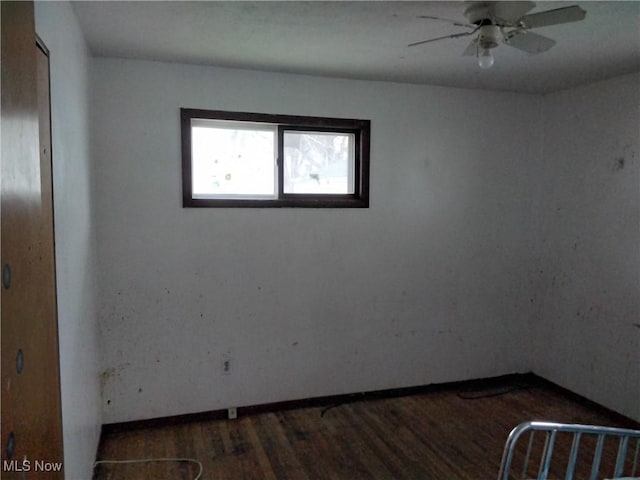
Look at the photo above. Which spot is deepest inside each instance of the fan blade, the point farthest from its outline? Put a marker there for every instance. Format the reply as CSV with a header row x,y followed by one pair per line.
x,y
553,17
529,42
455,35
472,49
453,22
511,12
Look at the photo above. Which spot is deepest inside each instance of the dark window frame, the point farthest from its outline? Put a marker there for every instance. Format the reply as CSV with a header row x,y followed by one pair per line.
x,y
361,129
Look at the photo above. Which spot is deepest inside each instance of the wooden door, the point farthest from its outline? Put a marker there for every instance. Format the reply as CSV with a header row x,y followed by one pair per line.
x,y
31,412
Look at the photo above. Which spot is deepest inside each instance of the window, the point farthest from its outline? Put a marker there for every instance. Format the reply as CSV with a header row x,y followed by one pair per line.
x,y
232,159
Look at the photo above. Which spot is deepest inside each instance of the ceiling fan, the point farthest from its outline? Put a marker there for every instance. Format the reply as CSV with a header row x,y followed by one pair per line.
x,y
506,22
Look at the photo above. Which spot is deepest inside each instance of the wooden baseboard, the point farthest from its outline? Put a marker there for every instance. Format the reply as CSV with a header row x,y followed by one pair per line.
x,y
504,382
493,382
623,420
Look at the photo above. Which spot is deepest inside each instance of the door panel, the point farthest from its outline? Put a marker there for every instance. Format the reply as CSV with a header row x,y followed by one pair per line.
x,y
31,415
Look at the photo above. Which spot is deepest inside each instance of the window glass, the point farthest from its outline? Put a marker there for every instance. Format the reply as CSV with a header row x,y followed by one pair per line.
x,y
233,161
318,162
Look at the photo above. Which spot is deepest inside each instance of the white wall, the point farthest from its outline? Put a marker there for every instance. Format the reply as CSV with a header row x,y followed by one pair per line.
x,y
430,284
74,235
588,243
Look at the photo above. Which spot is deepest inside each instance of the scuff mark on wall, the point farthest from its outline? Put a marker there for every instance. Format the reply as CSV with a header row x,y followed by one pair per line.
x,y
110,373
105,375
618,164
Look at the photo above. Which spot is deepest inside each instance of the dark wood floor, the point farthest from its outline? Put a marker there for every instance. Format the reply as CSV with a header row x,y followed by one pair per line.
x,y
452,433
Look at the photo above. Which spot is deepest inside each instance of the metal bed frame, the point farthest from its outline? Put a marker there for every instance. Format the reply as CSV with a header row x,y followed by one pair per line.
x,y
567,451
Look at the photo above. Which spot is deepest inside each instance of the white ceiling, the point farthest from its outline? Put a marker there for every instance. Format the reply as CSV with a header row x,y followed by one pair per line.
x,y
362,39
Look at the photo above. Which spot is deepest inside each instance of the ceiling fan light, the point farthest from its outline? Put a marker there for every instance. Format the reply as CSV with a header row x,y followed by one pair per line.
x,y
485,58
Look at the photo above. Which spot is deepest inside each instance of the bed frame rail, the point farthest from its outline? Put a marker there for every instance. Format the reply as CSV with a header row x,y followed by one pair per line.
x,y
566,451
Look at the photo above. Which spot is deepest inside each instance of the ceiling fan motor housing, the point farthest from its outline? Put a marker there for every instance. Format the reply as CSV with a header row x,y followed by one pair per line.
x,y
479,13
490,36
